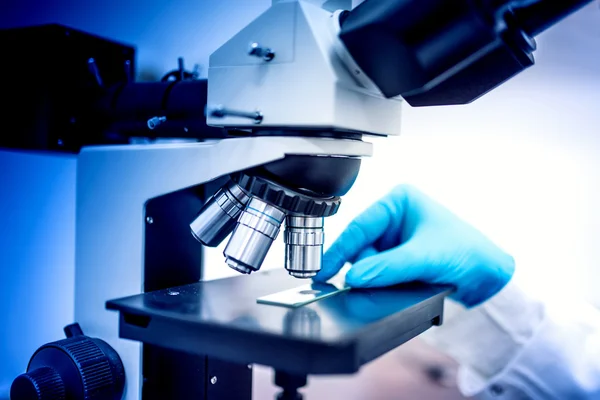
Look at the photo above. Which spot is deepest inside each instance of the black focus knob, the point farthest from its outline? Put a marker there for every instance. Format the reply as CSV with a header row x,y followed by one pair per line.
x,y
40,384
76,368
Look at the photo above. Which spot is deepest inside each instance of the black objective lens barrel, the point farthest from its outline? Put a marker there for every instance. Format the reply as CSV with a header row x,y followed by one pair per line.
x,y
536,17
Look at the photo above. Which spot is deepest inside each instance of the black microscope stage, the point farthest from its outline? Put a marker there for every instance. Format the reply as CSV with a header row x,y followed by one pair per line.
x,y
334,335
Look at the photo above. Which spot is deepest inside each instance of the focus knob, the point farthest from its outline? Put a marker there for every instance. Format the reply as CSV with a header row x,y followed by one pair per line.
x,y
40,384
76,368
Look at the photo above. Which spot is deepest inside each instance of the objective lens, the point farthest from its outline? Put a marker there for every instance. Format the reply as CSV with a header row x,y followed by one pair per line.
x,y
218,216
303,246
256,229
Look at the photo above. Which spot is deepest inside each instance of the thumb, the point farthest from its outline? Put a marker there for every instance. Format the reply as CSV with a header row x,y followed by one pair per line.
x,y
401,264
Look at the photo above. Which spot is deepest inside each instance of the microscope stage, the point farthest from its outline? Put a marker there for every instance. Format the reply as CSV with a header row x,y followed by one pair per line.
x,y
334,335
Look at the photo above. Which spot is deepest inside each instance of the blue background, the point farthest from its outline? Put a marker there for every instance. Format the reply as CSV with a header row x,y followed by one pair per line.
x,y
37,191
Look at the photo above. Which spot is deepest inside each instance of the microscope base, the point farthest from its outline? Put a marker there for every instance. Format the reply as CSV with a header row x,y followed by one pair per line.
x,y
335,335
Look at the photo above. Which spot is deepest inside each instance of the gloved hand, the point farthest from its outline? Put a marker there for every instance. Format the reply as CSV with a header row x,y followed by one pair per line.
x,y
406,237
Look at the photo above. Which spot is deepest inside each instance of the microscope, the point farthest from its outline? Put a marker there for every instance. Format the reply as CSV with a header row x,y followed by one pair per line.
x,y
270,142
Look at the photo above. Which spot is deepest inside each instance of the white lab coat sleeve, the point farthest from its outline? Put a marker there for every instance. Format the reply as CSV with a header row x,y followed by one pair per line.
x,y
516,347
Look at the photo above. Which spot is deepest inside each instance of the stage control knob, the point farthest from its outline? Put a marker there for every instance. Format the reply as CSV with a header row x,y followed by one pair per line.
x,y
75,368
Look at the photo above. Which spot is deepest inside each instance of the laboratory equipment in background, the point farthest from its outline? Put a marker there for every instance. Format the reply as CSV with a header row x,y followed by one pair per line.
x,y
273,138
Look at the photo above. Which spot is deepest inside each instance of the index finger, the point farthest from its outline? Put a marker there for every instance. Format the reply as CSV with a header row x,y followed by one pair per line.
x,y
361,233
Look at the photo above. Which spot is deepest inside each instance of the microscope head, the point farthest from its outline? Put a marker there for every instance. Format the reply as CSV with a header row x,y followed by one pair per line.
x,y
303,69
285,75
289,73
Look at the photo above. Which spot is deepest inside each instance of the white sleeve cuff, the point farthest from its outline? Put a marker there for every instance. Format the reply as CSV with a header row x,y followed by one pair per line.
x,y
560,361
484,339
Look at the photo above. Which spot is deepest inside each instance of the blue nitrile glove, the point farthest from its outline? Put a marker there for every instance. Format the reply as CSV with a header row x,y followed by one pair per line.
x,y
406,237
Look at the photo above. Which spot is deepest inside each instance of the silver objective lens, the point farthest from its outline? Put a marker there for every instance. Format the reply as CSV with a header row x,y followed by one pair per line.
x,y
217,218
256,229
303,245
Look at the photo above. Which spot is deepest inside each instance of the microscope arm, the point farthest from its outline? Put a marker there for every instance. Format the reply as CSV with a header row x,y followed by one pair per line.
x,y
171,167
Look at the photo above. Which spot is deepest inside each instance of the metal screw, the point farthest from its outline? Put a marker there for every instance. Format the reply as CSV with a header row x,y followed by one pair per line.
x,y
222,112
93,68
249,366
213,380
149,220
156,121
257,50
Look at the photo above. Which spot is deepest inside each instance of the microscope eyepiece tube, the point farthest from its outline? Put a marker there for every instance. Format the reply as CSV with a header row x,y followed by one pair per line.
x,y
304,239
218,217
257,227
